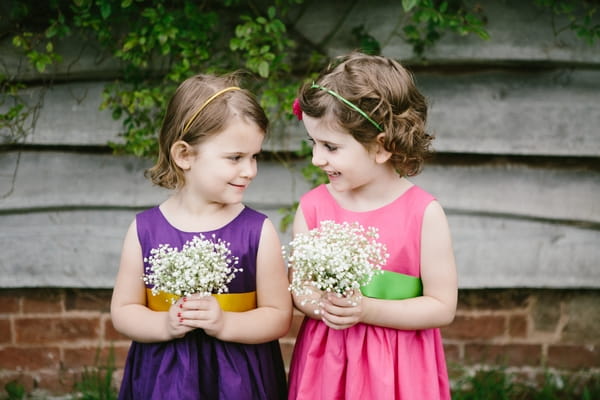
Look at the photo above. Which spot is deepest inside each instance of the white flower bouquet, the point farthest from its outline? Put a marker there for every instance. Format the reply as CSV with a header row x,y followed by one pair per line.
x,y
337,258
202,266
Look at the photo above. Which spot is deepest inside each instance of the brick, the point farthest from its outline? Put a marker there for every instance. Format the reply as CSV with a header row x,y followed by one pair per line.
x,y
452,352
79,357
56,382
110,333
19,378
503,355
88,300
475,327
546,313
583,324
10,301
493,299
573,357
121,351
17,358
43,301
45,330
5,331
517,326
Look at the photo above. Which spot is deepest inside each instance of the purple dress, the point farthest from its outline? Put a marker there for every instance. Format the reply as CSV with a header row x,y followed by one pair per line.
x,y
199,366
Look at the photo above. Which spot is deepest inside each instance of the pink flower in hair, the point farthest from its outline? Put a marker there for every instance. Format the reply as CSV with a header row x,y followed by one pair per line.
x,y
296,109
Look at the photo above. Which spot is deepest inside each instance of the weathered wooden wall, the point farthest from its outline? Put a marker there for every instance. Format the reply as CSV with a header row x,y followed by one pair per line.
x,y
517,124
517,120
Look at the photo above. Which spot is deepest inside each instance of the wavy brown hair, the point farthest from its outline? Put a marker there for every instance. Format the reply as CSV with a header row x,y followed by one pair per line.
x,y
187,100
384,90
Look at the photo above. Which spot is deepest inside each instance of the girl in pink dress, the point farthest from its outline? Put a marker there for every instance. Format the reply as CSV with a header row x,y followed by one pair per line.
x,y
366,120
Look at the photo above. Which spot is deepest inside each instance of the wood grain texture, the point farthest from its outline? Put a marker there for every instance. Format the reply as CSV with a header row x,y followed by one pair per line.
x,y
81,249
513,225
524,113
60,180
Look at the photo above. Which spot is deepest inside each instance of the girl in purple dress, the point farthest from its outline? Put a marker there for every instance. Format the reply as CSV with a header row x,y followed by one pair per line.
x,y
222,346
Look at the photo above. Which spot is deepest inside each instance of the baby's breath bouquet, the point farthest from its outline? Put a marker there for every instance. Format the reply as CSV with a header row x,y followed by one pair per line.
x,y
337,258
202,266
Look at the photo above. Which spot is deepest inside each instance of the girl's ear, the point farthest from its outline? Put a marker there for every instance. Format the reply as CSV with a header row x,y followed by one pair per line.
x,y
381,154
182,153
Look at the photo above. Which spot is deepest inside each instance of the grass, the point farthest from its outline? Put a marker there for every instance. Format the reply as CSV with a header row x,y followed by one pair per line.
x,y
497,384
96,383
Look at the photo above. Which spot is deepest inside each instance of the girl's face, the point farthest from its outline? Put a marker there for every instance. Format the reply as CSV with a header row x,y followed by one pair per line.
x,y
346,162
225,164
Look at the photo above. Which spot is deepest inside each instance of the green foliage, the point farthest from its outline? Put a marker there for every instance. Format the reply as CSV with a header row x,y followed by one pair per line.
x,y
429,19
578,16
366,42
15,390
96,382
498,384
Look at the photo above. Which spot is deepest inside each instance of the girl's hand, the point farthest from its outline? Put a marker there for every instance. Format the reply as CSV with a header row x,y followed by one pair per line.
x,y
174,327
341,312
204,312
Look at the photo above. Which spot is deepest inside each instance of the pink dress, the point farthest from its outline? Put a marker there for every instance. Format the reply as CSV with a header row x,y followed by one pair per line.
x,y
366,361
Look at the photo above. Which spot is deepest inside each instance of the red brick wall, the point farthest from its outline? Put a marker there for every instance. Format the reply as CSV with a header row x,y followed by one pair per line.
x,y
48,336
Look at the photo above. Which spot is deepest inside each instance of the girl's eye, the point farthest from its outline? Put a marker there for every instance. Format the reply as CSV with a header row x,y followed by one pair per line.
x,y
330,147
235,158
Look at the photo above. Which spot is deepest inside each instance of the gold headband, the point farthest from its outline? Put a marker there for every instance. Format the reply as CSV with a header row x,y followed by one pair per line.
x,y
211,98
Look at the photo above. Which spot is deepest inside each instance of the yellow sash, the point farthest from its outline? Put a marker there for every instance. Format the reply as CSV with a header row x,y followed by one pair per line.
x,y
237,302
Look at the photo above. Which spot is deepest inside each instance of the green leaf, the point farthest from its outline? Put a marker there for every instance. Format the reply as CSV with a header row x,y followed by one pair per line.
x,y
105,9
408,5
263,69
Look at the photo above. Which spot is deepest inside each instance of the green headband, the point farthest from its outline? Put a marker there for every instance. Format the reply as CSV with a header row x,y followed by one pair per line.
x,y
349,104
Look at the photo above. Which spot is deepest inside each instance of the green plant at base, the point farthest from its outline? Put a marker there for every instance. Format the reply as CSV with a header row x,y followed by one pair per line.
x,y
96,383
497,383
15,390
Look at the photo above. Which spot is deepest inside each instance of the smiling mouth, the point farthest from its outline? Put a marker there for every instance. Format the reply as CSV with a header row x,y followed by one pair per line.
x,y
332,173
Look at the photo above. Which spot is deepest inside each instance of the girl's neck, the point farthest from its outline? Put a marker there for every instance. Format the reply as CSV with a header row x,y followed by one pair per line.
x,y
374,195
197,216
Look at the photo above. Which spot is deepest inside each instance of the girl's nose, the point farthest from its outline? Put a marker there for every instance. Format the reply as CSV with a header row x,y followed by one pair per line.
x,y
250,169
317,159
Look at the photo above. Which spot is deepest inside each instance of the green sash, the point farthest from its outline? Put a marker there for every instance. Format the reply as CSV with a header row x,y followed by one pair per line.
x,y
393,286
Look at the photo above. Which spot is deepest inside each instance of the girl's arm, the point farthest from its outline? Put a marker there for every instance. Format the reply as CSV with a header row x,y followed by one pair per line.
x,y
273,316
437,306
129,312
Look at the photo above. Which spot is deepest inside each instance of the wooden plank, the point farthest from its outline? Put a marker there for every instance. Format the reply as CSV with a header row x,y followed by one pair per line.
x,y
82,59
55,180
81,249
525,113
496,252
58,180
77,249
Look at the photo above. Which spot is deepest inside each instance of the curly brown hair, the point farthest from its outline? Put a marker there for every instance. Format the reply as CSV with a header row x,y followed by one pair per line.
x,y
190,96
384,90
